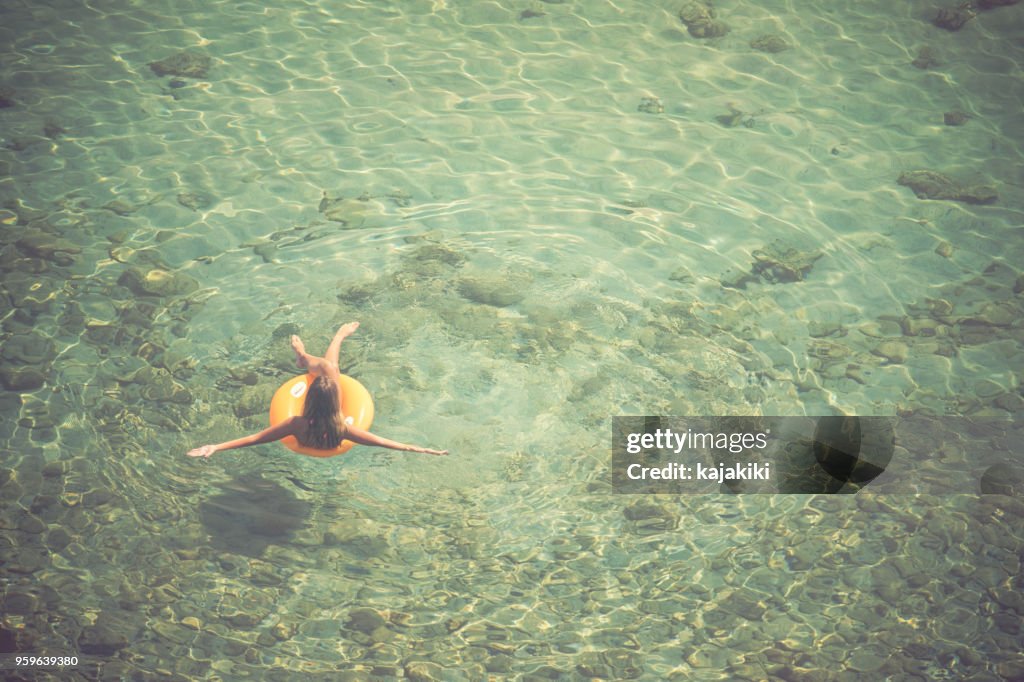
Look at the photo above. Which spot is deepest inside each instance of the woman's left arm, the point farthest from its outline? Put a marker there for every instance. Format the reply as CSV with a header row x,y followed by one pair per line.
x,y
267,435
362,437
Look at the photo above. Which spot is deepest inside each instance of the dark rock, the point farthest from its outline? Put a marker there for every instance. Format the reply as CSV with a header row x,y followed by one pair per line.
x,y
955,118
650,516
925,58
52,130
31,524
695,13
351,212
157,282
13,641
651,105
735,117
120,207
932,185
440,253
21,379
57,540
97,498
953,19
700,21
185,63
28,349
1003,479
102,638
494,291
6,98
744,603
40,244
771,42
193,200
177,83
424,671
54,469
779,264
20,603
364,620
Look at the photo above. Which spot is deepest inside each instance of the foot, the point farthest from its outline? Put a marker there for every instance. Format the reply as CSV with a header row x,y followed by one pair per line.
x,y
347,329
300,352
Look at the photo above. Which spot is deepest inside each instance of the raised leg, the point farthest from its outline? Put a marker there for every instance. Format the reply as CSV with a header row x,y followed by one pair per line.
x,y
301,356
306,361
332,350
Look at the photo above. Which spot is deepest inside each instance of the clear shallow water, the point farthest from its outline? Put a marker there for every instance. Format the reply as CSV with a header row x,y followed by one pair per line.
x,y
529,254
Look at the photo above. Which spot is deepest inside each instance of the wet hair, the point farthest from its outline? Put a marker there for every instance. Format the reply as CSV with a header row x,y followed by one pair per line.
x,y
323,414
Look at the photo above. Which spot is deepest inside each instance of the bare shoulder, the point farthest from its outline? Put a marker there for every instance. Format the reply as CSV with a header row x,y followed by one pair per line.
x,y
295,425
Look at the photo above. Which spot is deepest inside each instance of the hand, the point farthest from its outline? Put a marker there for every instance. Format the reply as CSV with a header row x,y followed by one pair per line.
x,y
434,452
204,451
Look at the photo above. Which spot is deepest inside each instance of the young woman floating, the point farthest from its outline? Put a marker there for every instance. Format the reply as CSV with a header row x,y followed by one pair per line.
x,y
322,426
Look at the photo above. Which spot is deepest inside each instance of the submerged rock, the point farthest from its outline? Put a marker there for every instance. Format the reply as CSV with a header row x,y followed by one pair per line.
x,y
778,264
105,637
157,282
700,21
651,105
364,620
53,130
735,117
955,118
21,379
953,19
651,516
932,185
28,349
894,351
40,244
193,201
498,291
770,42
425,671
926,58
185,63
120,207
992,4
351,213
1002,479
433,252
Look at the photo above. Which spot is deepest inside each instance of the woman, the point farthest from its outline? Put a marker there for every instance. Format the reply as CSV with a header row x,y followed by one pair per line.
x,y
322,424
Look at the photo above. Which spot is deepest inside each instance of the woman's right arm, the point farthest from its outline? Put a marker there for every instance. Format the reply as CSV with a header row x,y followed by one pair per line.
x,y
267,435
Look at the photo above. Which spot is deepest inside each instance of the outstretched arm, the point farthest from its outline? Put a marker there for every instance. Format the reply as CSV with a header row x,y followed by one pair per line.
x,y
267,435
366,438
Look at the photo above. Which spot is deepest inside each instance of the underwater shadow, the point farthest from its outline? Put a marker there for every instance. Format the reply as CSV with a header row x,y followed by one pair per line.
x,y
251,514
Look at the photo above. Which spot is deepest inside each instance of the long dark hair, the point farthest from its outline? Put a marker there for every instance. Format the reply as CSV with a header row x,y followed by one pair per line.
x,y
323,412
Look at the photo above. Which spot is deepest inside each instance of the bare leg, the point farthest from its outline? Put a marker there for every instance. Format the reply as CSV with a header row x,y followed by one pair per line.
x,y
300,352
306,361
332,351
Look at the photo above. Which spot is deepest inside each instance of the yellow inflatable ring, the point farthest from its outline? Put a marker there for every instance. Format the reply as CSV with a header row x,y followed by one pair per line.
x,y
291,396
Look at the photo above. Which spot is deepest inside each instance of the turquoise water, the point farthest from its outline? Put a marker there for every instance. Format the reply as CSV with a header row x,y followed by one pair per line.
x,y
544,215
